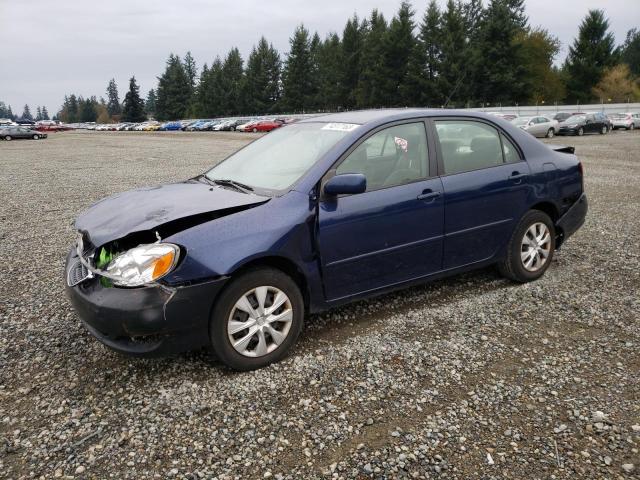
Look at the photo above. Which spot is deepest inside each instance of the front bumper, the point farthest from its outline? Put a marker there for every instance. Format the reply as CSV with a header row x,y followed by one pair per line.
x,y
568,130
573,218
146,321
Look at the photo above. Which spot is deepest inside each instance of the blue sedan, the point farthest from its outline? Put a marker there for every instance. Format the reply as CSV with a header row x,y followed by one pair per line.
x,y
316,214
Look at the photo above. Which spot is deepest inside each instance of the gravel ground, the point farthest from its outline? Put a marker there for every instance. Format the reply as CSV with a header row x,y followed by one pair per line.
x,y
471,377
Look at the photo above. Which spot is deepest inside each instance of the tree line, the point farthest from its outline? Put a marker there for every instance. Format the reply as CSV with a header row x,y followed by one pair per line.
x,y
466,54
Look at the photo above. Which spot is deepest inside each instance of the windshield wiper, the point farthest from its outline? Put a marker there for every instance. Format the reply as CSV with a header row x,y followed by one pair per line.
x,y
225,181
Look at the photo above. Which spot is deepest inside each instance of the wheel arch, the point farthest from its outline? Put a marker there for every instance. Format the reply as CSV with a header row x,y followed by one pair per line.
x,y
285,265
550,209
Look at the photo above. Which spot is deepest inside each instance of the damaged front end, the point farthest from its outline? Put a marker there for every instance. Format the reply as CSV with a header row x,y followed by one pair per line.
x,y
128,262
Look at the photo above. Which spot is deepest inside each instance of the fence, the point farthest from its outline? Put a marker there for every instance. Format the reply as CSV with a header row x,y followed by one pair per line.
x,y
524,110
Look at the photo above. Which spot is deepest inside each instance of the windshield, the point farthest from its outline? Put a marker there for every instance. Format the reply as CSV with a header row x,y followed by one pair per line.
x,y
575,119
521,120
277,160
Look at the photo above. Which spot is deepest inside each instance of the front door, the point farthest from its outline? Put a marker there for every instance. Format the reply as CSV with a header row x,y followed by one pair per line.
x,y
485,185
391,233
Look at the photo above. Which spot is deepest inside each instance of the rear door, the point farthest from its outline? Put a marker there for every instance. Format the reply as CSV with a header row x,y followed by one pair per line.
x,y
486,185
393,232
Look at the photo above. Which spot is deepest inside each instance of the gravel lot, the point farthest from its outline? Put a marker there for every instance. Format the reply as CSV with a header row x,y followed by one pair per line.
x,y
471,377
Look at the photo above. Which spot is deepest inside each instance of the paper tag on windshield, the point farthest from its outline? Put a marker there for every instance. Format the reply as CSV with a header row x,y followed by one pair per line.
x,y
341,127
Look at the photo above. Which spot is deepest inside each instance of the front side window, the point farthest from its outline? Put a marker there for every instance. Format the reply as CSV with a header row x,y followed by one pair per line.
x,y
279,159
468,145
393,156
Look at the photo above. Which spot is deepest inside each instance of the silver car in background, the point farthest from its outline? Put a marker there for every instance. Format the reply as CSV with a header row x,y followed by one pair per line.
x,y
538,126
628,120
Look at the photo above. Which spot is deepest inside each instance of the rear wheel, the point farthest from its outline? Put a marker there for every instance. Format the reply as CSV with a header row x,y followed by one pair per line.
x,y
580,131
8,138
36,137
254,130
257,319
603,130
632,126
550,133
530,249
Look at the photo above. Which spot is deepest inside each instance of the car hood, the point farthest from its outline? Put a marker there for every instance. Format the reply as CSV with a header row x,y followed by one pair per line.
x,y
146,209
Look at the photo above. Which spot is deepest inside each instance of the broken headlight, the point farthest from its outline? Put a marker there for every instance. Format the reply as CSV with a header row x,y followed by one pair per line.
x,y
142,264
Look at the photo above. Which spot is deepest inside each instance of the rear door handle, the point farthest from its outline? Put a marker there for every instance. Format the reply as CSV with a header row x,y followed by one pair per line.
x,y
517,176
428,195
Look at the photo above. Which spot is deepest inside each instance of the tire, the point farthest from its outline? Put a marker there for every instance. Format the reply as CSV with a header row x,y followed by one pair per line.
x,y
36,137
8,138
550,133
580,131
244,289
514,266
632,126
254,130
604,130
233,129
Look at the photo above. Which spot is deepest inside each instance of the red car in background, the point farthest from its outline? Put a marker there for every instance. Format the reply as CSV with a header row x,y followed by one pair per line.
x,y
266,125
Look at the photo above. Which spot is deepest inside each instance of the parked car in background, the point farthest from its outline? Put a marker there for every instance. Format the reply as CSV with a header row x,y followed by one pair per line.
x,y
246,127
560,117
628,120
266,125
538,126
171,126
507,116
585,123
324,212
15,133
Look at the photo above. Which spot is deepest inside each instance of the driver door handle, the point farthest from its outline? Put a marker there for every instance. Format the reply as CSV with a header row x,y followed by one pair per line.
x,y
428,195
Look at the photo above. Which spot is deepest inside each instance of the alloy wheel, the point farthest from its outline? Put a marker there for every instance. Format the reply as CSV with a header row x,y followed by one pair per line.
x,y
535,247
260,321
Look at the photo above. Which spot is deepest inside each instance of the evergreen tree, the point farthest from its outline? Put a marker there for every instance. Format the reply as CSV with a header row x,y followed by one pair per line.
x,y
209,94
87,111
262,78
631,51
371,83
10,114
133,107
352,44
172,96
150,103
315,46
191,70
113,103
431,38
399,45
38,114
26,113
591,53
329,73
502,76
232,83
72,109
45,113
454,68
297,72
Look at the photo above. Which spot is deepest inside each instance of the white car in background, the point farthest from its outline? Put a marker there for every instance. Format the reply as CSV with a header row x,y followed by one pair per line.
x,y
628,121
538,126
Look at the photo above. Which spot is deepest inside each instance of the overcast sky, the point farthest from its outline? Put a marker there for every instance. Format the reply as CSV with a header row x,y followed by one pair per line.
x,y
75,46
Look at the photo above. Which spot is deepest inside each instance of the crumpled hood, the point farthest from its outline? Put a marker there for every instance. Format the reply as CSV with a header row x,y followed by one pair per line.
x,y
147,208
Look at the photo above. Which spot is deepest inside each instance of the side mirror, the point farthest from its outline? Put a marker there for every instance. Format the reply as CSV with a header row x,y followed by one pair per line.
x,y
346,184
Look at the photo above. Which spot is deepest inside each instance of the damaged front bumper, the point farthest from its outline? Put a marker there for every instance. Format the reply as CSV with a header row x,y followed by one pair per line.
x,y
146,321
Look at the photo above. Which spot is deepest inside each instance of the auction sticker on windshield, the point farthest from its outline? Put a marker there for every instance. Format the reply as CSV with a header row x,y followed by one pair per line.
x,y
341,127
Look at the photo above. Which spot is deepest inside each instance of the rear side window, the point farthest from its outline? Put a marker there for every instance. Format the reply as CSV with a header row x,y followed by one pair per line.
x,y
508,148
468,145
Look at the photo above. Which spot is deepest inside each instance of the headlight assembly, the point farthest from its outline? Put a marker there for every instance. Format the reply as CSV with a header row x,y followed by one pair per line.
x,y
142,264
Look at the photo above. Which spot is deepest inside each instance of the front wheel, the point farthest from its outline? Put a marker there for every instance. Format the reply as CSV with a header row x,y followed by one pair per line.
x,y
550,133
530,249
257,319
8,138
603,130
254,130
580,131
632,126
36,137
